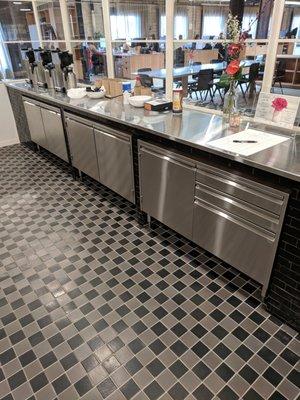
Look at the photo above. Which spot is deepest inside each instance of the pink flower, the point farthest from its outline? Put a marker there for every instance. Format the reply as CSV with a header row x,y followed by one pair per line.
x,y
279,103
191,55
234,49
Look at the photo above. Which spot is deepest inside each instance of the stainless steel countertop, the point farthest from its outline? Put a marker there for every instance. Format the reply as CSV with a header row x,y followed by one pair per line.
x,y
193,128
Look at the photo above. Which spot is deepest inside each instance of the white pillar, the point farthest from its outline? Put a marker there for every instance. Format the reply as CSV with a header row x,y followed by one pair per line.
x,y
37,22
169,48
107,35
66,23
278,8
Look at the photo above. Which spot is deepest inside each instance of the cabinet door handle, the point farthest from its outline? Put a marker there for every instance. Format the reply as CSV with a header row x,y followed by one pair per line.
x,y
30,104
51,112
112,135
169,159
68,119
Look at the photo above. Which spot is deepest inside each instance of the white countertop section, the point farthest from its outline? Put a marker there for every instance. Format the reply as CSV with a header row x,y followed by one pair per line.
x,y
263,141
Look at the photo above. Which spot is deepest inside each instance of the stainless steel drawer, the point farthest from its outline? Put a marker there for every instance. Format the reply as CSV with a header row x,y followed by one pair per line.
x,y
240,208
240,244
243,189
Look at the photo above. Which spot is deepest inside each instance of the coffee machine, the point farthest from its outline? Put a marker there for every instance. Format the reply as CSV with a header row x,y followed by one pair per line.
x,y
31,67
69,76
57,73
48,68
40,70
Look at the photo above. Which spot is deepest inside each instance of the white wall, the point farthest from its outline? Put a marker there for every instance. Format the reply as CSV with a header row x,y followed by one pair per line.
x,y
8,130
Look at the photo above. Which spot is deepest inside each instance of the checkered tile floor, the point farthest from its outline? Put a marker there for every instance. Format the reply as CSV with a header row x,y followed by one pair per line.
x,y
94,306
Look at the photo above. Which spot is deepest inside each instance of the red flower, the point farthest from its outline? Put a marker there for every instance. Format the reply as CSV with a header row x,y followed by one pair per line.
x,y
233,49
233,67
279,103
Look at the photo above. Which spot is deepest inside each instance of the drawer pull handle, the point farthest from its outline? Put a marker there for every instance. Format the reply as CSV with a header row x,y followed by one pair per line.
x,y
227,215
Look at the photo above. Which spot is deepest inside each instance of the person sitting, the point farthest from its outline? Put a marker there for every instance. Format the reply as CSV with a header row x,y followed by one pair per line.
x,y
220,47
195,44
154,46
207,46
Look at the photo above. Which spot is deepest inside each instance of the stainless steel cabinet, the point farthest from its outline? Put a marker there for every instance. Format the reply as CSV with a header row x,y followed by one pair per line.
x,y
35,123
238,220
82,146
54,131
167,183
115,161
46,127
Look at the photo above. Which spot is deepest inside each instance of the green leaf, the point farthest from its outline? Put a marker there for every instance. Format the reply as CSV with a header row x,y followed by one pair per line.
x,y
224,80
239,75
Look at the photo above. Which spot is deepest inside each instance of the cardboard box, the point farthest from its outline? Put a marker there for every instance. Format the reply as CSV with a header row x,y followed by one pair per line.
x,y
158,105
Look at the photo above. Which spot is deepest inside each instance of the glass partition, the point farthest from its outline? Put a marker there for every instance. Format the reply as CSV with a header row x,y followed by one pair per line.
x,y
286,71
198,66
89,60
137,20
50,20
11,59
130,58
17,21
86,19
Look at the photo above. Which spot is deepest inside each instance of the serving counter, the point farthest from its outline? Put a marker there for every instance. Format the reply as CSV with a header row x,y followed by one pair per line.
x,y
243,209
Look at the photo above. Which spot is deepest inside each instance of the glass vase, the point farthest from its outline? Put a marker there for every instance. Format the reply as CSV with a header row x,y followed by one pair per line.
x,y
230,100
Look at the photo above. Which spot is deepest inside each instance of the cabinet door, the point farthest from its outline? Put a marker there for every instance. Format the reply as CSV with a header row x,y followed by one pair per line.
x,y
35,123
115,162
54,131
82,147
167,188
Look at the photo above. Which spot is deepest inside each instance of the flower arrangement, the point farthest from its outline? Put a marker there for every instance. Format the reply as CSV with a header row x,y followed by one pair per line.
x,y
234,44
191,57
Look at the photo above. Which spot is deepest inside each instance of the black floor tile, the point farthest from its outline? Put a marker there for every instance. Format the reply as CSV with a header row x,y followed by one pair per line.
x,y
94,305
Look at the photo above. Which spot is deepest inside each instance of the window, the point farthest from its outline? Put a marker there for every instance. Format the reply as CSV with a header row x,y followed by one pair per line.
x,y
212,25
50,20
125,26
249,20
296,23
17,31
180,26
85,19
214,20
17,21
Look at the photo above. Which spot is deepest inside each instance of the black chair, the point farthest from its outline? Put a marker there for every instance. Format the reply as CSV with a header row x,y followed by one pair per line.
x,y
279,75
217,74
98,64
179,57
195,76
217,87
203,84
145,79
249,79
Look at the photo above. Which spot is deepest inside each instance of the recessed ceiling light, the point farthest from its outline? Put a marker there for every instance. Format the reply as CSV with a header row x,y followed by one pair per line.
x,y
25,9
17,2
